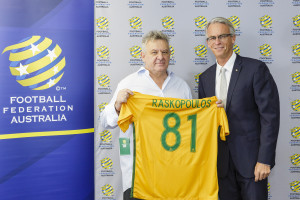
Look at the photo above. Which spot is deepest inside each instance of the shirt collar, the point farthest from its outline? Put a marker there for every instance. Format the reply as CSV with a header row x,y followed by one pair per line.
x,y
229,64
143,70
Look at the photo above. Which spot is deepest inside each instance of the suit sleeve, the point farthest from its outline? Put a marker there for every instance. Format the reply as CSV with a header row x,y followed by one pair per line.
x,y
201,93
267,100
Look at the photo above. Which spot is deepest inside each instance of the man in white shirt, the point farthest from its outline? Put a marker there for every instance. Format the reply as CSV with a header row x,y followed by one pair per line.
x,y
153,79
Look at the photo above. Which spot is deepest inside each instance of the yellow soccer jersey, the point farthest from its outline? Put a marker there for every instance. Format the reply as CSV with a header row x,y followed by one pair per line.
x,y
175,146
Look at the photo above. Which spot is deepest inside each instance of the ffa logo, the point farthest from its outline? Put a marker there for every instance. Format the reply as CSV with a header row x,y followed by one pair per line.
x,y
135,51
168,22
172,52
107,190
106,136
269,187
295,159
200,50
235,21
236,49
296,105
103,80
295,186
106,163
102,106
296,49
36,62
295,132
102,23
265,50
135,23
296,21
197,78
200,22
103,52
296,77
266,21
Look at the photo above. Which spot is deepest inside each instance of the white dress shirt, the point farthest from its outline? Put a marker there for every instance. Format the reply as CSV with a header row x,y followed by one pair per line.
x,y
140,81
229,67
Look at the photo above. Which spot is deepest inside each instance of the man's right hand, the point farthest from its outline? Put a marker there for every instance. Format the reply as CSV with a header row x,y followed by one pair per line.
x,y
122,97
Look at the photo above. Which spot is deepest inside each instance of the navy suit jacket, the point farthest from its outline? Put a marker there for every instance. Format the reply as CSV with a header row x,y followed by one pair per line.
x,y
253,115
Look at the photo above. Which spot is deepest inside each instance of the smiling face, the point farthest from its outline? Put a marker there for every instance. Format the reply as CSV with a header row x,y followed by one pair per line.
x,y
157,56
222,49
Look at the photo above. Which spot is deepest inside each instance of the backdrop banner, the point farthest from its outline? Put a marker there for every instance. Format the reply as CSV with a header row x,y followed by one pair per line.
x,y
263,32
46,99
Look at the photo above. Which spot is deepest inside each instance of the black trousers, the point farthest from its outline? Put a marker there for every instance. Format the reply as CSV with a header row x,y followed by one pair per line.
x,y
236,187
126,195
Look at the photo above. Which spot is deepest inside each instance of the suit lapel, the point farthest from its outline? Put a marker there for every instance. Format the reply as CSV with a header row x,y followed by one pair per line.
x,y
211,81
234,77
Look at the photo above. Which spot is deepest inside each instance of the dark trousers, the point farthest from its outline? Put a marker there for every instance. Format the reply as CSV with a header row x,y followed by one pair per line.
x,y
126,195
236,187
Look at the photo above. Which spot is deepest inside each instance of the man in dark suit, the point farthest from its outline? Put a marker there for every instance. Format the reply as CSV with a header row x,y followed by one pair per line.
x,y
251,101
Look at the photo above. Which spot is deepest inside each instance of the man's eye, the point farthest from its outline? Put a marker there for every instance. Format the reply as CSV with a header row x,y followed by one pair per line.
x,y
165,52
154,52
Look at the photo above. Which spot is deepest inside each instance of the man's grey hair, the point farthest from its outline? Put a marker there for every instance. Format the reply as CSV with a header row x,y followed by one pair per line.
x,y
221,20
153,35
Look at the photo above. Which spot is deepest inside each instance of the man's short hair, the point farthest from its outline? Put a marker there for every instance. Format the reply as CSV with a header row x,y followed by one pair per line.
x,y
153,35
221,20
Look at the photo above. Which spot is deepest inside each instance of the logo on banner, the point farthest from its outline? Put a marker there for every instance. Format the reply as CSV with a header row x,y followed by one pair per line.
x,y
296,22
104,83
296,80
172,56
196,77
167,4
266,24
235,20
135,52
296,52
201,23
107,190
234,3
103,80
106,164
296,3
105,138
269,191
266,3
296,105
295,186
101,106
295,133
236,49
201,53
103,56
200,4
168,25
103,27
36,62
295,161
101,4
266,51
135,4
136,27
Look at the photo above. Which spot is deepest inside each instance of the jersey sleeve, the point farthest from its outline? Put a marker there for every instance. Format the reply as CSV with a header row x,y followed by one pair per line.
x,y
224,124
125,117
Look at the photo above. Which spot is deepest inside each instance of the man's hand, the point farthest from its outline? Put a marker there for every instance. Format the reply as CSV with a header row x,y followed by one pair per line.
x,y
220,103
122,97
261,171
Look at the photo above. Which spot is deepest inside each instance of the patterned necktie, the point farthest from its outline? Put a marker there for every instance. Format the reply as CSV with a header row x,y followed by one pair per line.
x,y
223,87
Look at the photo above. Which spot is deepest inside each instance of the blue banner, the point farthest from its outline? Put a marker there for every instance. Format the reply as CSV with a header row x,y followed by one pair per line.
x,y
46,99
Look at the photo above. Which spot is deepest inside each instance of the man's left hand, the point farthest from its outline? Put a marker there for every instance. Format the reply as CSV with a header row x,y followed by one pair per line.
x,y
261,171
